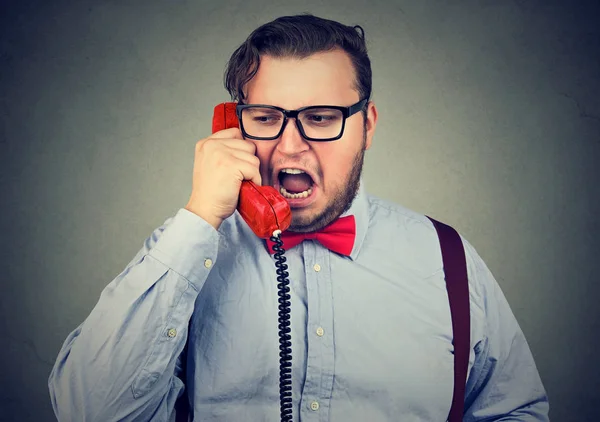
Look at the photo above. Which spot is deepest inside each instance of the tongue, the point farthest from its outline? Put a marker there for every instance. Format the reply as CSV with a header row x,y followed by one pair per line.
x,y
295,183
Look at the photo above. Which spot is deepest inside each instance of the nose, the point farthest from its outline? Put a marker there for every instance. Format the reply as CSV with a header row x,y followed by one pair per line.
x,y
291,141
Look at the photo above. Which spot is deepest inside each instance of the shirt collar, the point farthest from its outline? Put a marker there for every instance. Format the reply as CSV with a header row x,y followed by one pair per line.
x,y
360,210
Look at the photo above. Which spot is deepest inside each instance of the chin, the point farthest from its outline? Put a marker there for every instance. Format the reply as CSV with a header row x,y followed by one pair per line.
x,y
303,218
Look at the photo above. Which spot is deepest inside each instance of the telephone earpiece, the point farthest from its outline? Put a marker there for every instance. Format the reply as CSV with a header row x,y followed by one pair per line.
x,y
262,207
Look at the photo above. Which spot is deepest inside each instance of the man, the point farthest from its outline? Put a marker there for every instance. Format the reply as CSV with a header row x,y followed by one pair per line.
x,y
195,312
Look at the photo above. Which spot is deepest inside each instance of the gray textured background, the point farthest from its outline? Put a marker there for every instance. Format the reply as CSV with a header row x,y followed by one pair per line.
x,y
489,121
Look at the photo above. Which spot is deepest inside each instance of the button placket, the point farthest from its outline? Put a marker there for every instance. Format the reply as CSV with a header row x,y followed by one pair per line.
x,y
319,371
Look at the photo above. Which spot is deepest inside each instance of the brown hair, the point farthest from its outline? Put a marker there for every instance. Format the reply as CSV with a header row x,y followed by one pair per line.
x,y
298,36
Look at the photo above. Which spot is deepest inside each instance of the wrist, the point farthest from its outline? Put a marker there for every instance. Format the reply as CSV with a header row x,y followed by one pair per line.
x,y
210,219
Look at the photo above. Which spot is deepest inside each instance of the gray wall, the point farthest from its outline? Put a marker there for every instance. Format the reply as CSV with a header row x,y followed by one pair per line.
x,y
489,120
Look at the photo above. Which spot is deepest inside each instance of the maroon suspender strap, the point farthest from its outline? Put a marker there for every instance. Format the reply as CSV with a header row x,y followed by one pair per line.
x,y
457,285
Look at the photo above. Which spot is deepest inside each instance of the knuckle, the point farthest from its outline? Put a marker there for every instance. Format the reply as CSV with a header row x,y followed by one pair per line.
x,y
203,145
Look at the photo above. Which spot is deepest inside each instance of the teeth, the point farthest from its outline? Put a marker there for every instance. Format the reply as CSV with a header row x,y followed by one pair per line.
x,y
286,194
292,171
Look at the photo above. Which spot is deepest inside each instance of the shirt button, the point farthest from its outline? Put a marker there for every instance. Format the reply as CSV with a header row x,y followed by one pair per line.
x,y
314,405
208,263
172,332
320,331
317,267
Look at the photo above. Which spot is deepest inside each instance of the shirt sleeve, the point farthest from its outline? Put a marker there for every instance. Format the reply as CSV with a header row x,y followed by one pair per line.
x,y
504,384
122,363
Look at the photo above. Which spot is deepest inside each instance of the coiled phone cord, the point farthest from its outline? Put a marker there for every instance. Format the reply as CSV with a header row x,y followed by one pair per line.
x,y
285,343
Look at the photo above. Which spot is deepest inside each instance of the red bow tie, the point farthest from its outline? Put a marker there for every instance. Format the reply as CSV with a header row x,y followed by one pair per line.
x,y
337,236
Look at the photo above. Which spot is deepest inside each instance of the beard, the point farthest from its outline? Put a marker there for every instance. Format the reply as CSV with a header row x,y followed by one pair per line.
x,y
340,202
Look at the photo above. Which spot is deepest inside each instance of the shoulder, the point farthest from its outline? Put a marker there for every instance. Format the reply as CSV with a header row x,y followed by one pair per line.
x,y
388,212
413,227
400,237
400,226
412,237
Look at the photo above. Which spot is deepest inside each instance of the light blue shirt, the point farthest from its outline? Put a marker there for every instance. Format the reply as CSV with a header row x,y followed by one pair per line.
x,y
371,333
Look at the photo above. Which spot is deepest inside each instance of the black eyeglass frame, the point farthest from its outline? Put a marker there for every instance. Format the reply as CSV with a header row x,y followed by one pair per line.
x,y
287,114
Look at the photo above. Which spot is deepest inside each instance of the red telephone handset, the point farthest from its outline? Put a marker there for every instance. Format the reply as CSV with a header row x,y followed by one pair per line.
x,y
262,207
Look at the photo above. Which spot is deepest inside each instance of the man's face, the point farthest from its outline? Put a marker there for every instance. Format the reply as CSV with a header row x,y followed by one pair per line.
x,y
334,167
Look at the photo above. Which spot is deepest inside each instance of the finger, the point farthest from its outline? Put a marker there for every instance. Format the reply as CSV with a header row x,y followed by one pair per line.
x,y
249,172
237,144
247,157
230,133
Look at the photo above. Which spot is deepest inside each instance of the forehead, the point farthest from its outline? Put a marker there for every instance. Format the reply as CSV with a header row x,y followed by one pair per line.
x,y
322,78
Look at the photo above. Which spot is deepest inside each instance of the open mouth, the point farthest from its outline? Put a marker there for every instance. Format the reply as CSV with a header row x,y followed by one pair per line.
x,y
295,183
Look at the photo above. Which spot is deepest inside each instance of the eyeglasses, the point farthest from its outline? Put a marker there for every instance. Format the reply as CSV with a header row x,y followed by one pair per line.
x,y
315,123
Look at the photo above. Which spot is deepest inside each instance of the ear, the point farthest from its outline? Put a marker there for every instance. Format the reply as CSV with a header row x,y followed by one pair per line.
x,y
370,123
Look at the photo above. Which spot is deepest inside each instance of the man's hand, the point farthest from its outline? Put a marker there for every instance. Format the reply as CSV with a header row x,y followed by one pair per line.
x,y
221,162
